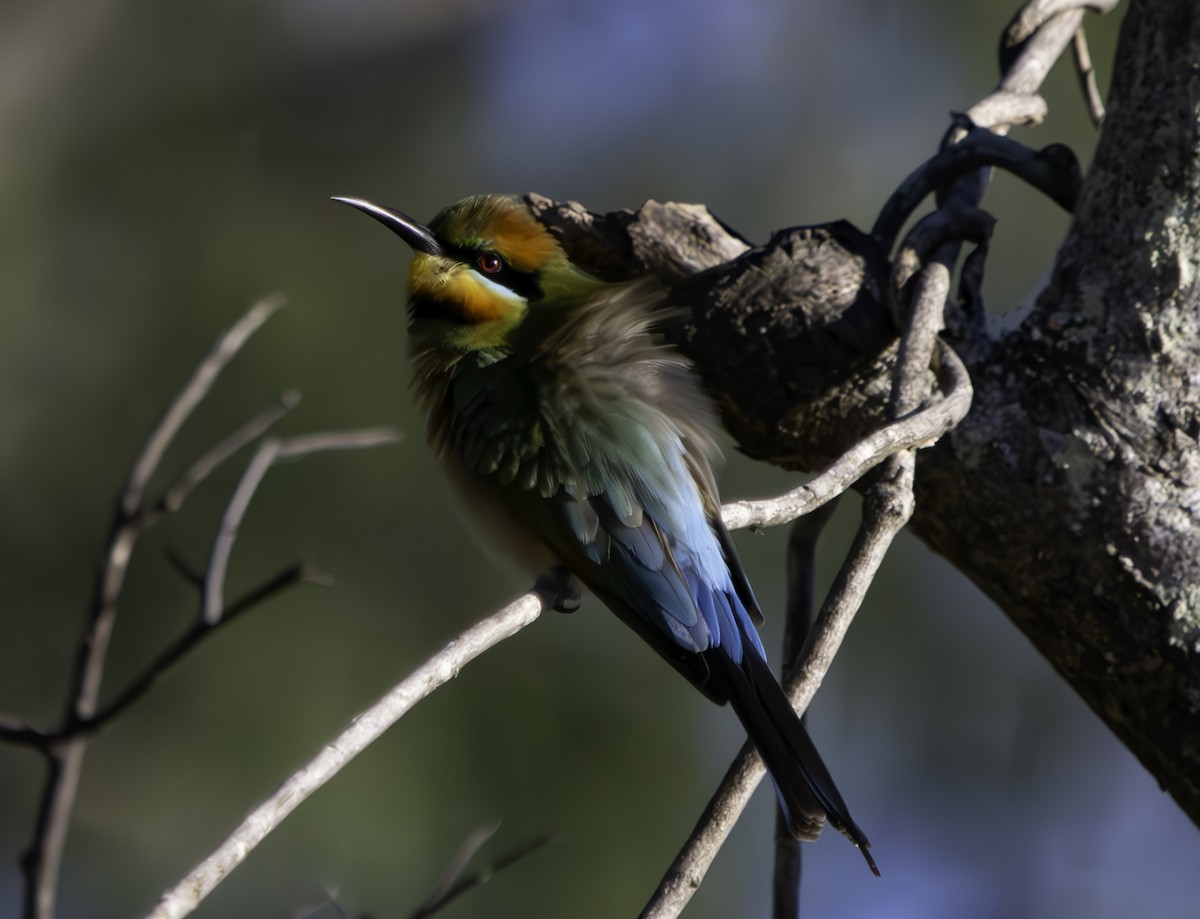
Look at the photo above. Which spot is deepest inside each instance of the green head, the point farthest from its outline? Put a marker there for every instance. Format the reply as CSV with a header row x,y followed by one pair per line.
x,y
479,269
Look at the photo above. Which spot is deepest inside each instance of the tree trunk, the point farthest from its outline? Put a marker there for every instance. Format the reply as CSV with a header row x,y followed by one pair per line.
x,y
1071,493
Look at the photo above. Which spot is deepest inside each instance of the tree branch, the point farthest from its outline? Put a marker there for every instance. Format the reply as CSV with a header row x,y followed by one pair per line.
x,y
1049,171
270,451
361,732
42,861
210,461
801,601
1087,76
65,745
452,883
917,430
190,396
184,645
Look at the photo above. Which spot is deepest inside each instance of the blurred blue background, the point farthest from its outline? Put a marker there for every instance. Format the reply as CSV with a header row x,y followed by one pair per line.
x,y
164,165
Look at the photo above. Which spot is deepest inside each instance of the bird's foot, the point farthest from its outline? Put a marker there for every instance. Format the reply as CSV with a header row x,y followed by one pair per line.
x,y
559,590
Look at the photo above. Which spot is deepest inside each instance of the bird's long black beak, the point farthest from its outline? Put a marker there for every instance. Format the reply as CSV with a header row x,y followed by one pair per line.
x,y
415,234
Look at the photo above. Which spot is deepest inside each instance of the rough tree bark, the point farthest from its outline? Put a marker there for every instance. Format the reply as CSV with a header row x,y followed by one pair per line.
x,y
1071,493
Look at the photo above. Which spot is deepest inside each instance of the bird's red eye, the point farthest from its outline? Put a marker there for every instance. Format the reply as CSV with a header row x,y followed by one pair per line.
x,y
489,262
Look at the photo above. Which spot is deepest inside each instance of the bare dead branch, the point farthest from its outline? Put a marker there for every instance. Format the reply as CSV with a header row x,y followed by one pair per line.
x,y
21,733
920,338
210,461
888,506
452,884
1025,67
1049,171
26,735
185,644
1087,76
191,395
361,732
270,451
1005,108
42,860
64,746
801,602
935,237
475,840
916,430
302,445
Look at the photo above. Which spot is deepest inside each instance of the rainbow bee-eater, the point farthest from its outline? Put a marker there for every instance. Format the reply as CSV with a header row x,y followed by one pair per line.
x,y
589,447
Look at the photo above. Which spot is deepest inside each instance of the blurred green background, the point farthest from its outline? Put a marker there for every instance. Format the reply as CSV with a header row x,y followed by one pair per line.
x,y
163,165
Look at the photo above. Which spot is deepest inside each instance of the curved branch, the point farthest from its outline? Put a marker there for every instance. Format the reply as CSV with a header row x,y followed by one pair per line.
x,y
271,451
1052,171
917,430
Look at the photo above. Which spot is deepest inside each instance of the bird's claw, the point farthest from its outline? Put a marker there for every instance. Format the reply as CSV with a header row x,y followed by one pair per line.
x,y
559,590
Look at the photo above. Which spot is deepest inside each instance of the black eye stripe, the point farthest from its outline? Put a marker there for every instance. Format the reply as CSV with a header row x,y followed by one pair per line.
x,y
522,283
437,309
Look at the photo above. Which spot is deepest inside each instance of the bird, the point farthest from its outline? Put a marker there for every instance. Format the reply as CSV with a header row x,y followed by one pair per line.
x,y
586,448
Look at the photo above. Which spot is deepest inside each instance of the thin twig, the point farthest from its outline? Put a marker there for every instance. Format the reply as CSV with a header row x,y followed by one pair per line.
x,y
42,861
920,340
916,430
188,642
801,602
887,506
1087,76
26,735
362,731
475,840
270,451
1046,170
1031,21
191,395
21,733
451,883
212,600
301,445
484,874
211,460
